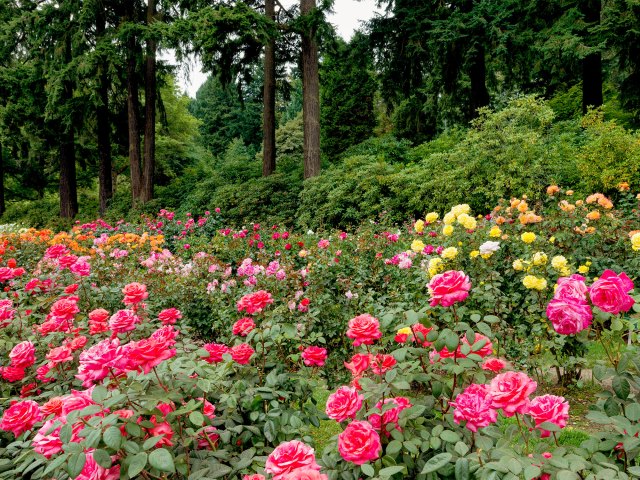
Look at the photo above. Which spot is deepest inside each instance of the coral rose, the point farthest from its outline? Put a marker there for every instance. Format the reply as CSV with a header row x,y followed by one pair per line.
x,y
569,315
254,302
510,391
288,457
364,330
134,293
448,288
20,417
243,326
359,443
610,292
359,364
549,408
344,403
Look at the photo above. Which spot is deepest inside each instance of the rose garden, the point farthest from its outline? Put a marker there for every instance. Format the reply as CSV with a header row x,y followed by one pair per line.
x,y
453,347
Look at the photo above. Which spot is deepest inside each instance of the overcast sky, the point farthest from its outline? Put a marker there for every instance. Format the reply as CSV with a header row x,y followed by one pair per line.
x,y
347,17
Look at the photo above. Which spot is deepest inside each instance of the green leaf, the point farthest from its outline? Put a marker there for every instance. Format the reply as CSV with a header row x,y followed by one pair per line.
x,y
76,464
461,448
161,459
462,469
532,472
449,436
102,458
621,387
112,437
368,470
394,447
196,418
435,463
137,464
390,471
567,475
99,394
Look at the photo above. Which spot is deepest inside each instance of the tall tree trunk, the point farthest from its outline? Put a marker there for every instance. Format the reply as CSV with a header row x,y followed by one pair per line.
x,y
149,163
2,205
591,64
105,189
269,100
133,112
310,96
68,187
477,76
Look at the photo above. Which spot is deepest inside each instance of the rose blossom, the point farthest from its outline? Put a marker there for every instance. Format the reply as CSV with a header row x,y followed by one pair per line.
x,y
474,406
242,353
382,363
100,360
314,356
52,407
243,326
123,321
216,351
305,474
93,471
510,391
389,416
20,417
549,408
448,288
359,443
65,309
59,355
134,293
290,456
148,353
569,315
610,292
254,302
572,286
493,365
483,351
364,330
12,374
255,476
47,441
170,316
23,355
359,363
344,403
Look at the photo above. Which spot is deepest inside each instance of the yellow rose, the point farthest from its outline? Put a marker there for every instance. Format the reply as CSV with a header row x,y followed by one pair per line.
x,y
449,253
449,218
404,331
583,269
460,209
539,258
518,265
635,242
552,239
534,283
418,226
447,230
417,246
528,237
435,266
559,262
495,232
431,217
467,221
474,254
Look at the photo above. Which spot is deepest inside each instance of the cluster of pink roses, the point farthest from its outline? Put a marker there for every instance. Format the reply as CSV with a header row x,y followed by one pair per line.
x,y
569,310
478,405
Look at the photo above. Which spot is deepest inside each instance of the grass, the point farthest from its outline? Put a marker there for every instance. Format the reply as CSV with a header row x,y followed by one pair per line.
x,y
328,428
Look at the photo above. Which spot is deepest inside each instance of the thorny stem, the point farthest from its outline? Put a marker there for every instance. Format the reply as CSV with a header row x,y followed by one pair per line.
x,y
160,381
526,441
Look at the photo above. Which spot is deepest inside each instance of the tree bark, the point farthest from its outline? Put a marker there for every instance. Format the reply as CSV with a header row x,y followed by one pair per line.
x,y
68,186
310,96
477,76
591,64
269,100
149,162
105,189
133,111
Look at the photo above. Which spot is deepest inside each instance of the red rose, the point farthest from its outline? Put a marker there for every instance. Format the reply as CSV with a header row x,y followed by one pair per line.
x,y
170,316
610,292
359,364
242,353
216,351
381,363
12,374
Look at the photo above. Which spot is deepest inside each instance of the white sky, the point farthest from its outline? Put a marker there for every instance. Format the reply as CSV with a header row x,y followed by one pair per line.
x,y
347,17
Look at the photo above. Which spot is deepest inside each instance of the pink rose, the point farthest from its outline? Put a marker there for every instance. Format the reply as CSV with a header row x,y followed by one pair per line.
x,y
481,346
572,286
170,316
510,391
474,406
99,361
359,364
134,293
549,408
93,471
47,441
23,355
448,288
123,321
305,474
494,365
242,353
243,326
148,353
59,355
254,302
290,456
216,351
314,356
65,309
20,417
390,416
255,476
569,315
364,330
382,363
610,292
344,403
99,315
359,443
